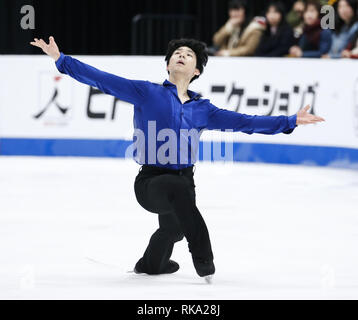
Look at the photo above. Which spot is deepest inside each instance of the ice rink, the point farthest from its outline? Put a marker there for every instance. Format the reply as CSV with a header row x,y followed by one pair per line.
x,y
71,228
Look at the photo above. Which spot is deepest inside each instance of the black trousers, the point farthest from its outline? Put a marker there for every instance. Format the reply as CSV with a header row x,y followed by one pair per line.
x,y
171,194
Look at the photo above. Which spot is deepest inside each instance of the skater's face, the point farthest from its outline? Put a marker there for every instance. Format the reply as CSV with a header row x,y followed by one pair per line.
x,y
183,63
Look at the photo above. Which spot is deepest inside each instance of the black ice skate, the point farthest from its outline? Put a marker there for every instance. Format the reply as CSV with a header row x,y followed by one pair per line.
x,y
171,267
205,269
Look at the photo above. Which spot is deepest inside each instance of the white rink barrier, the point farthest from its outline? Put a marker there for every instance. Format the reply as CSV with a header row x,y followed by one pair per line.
x,y
45,113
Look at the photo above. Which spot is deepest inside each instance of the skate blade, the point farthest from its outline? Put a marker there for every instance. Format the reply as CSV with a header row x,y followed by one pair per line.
x,y
209,279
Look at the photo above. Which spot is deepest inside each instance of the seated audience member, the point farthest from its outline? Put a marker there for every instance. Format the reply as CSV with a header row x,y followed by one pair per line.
x,y
238,37
352,48
278,36
315,41
295,18
346,27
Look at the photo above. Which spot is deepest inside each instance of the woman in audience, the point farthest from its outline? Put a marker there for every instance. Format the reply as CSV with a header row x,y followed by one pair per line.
x,y
295,18
278,36
237,37
351,50
315,41
346,27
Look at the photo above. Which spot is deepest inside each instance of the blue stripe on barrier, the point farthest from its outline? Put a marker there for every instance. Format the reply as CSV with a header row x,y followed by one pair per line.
x,y
242,151
63,147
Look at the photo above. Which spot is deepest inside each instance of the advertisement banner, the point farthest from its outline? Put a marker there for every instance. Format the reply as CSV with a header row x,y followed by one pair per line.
x,y
44,112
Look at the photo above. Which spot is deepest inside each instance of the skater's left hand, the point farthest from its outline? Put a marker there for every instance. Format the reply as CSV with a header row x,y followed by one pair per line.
x,y
303,117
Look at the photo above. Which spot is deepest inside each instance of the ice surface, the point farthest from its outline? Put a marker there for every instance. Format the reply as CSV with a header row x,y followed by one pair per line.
x,y
278,232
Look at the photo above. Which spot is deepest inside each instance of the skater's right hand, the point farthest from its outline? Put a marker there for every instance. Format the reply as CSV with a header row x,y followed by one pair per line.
x,y
50,49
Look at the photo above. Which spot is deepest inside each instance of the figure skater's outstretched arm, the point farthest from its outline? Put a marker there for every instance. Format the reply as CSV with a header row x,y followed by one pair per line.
x,y
132,91
225,119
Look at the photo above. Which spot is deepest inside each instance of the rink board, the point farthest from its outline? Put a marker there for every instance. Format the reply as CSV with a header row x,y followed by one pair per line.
x,y
97,125
247,152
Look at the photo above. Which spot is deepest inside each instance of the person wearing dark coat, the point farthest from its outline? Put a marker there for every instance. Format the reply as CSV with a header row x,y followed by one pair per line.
x,y
315,42
278,36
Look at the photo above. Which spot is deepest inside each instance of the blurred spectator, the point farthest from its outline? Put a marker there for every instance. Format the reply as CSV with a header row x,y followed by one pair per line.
x,y
295,18
278,36
346,27
315,41
352,49
237,37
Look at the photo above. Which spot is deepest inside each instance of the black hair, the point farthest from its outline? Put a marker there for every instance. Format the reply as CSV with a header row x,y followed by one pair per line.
x,y
197,46
238,4
279,7
339,22
315,3
241,4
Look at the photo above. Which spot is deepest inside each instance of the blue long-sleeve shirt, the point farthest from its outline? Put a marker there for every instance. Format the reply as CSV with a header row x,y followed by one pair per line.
x,y
160,103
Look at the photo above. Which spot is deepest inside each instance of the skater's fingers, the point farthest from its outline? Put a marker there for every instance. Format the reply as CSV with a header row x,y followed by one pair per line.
x,y
316,118
309,121
52,40
36,44
43,43
306,107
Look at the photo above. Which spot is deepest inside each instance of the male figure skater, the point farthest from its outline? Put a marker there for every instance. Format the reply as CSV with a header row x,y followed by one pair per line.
x,y
167,188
